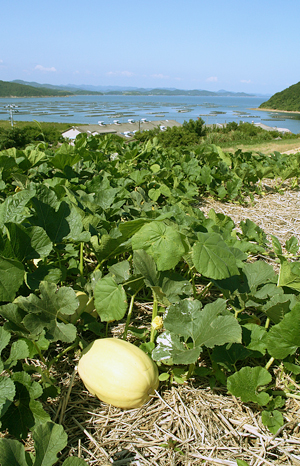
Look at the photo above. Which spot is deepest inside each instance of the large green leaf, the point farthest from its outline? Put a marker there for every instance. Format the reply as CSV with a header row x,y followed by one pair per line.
x,y
110,299
145,266
7,390
13,209
170,346
163,242
284,338
43,312
65,156
12,453
213,258
207,327
27,243
273,420
11,278
18,350
18,418
259,273
49,440
74,461
246,382
289,274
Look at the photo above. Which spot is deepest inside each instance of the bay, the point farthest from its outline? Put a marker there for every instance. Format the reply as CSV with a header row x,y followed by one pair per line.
x,y
107,108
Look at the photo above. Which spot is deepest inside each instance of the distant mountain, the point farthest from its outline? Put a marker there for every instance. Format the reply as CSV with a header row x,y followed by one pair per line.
x,y
163,91
84,89
69,88
13,89
288,99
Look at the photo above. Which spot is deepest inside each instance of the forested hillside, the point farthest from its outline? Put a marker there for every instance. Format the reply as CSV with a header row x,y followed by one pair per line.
x,y
8,89
288,99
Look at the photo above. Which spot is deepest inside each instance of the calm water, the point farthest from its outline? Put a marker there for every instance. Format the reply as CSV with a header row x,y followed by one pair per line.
x,y
106,108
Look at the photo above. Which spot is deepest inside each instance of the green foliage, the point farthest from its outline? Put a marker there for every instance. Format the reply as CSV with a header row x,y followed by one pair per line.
x,y
128,227
288,99
21,137
11,89
178,136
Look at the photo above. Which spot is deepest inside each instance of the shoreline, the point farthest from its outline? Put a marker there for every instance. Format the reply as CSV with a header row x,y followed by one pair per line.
x,y
274,110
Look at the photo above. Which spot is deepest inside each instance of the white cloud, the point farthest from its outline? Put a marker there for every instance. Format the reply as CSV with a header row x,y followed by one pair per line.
x,y
246,81
212,79
1,61
127,74
43,68
159,76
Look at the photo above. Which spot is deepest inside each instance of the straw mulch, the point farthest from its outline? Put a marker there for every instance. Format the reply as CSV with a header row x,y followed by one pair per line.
x,y
188,424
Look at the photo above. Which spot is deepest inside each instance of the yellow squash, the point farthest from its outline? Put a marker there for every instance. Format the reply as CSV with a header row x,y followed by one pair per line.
x,y
118,373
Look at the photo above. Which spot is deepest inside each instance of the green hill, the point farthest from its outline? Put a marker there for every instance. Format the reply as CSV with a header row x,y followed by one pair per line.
x,y
9,89
288,99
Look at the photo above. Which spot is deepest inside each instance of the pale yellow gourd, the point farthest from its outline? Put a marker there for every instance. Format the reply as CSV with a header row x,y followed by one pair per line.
x,y
118,373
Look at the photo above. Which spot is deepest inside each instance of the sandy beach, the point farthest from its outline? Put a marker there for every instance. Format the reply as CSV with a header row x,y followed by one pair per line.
x,y
273,110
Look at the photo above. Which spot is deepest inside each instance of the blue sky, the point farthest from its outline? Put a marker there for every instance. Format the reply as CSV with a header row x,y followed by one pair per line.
x,y
237,45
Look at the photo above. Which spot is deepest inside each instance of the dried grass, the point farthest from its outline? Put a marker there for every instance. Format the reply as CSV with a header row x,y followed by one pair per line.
x,y
183,425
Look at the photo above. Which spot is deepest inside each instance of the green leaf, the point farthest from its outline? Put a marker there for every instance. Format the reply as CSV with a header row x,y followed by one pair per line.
x,y
110,299
278,306
273,420
120,271
18,418
258,273
145,266
28,243
228,355
19,350
294,368
255,338
42,312
11,278
291,245
4,339
246,382
205,327
241,463
7,390
276,245
170,346
73,461
12,453
14,209
289,274
213,258
49,440
65,156
284,338
253,232
163,242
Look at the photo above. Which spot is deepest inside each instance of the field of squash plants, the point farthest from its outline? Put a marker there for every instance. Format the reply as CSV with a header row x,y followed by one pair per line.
x,y
122,224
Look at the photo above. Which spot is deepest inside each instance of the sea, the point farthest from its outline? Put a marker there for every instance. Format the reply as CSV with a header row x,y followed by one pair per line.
x,y
79,110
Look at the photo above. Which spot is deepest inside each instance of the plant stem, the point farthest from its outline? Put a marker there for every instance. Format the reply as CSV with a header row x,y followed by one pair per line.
x,y
81,259
204,291
154,314
128,316
69,348
267,322
269,363
190,371
193,284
